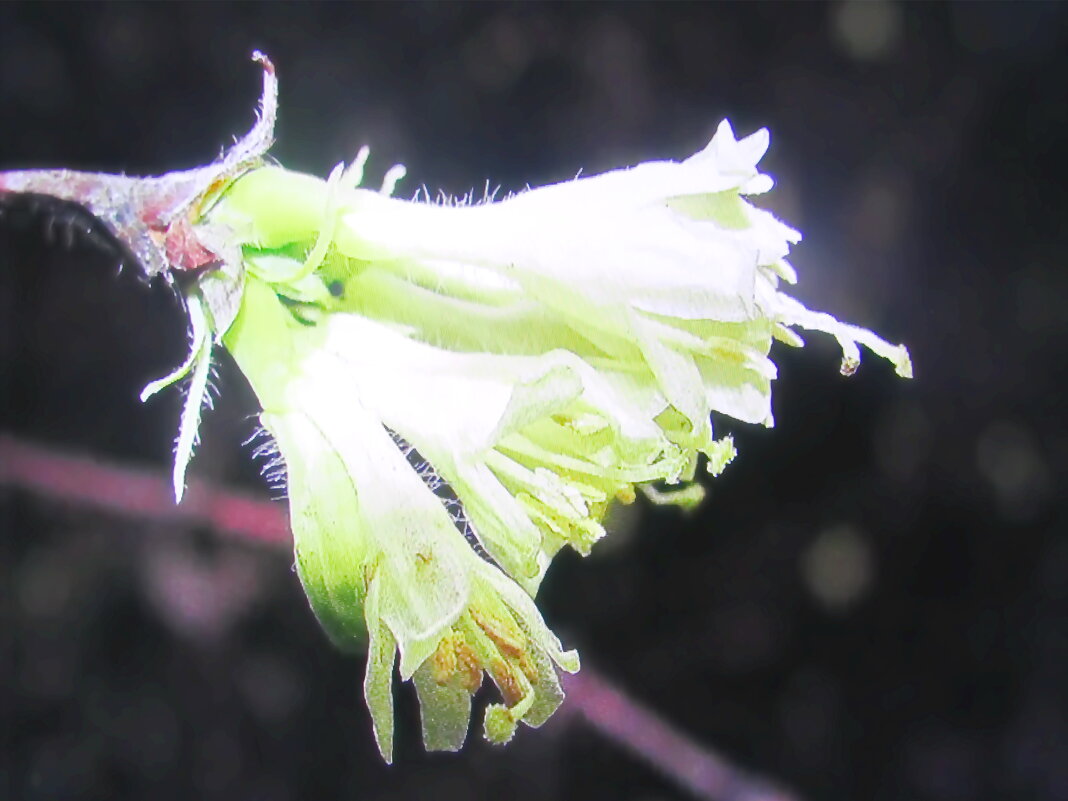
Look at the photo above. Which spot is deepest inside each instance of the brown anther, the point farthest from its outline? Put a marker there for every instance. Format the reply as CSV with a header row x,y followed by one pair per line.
x,y
512,690
510,644
455,664
468,668
443,662
528,667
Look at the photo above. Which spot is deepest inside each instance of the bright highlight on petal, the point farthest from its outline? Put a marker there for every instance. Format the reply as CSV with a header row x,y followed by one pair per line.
x,y
460,391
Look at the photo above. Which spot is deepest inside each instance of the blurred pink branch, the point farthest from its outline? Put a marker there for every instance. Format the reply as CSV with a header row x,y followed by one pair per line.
x,y
138,494
135,493
641,731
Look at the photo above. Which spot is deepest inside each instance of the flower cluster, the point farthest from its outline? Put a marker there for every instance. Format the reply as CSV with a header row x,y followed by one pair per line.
x,y
544,356
458,391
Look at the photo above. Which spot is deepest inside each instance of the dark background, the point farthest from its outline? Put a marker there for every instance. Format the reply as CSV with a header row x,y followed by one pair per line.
x,y
872,603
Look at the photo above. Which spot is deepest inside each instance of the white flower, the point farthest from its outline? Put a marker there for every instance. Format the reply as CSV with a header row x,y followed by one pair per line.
x,y
545,355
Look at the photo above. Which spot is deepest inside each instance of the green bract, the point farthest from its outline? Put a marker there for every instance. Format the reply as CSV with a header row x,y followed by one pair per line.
x,y
545,355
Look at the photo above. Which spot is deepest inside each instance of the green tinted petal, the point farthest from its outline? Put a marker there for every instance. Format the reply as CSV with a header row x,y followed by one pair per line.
x,y
529,618
378,678
548,694
445,712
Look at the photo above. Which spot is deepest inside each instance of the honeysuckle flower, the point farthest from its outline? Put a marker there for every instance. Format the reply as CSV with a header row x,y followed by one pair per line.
x,y
544,355
459,390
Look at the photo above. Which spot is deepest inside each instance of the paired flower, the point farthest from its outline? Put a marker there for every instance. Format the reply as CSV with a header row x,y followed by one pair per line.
x,y
458,391
545,355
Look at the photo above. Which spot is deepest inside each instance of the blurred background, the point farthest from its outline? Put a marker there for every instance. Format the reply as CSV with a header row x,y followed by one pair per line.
x,y
873,601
